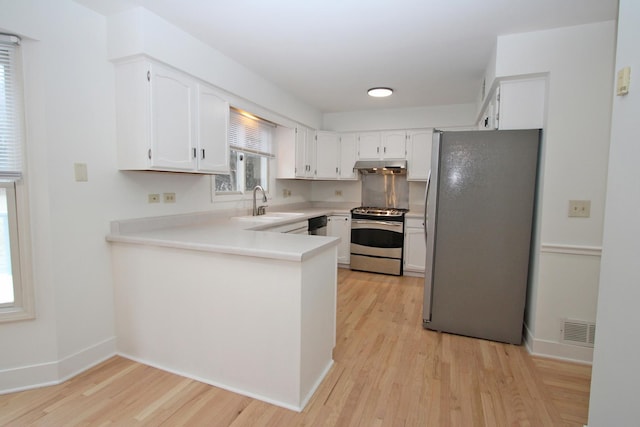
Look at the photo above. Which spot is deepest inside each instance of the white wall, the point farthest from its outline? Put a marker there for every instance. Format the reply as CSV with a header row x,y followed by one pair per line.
x,y
579,63
402,118
616,373
70,117
138,31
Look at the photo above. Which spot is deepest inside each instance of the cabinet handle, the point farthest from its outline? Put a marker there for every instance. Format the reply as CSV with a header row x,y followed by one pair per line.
x,y
385,149
378,150
149,153
194,153
148,76
203,156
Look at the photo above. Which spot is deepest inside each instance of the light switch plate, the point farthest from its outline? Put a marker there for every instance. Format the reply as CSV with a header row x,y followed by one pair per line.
x,y
579,208
80,172
624,80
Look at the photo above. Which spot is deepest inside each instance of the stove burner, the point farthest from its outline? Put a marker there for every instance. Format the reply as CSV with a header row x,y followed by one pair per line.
x,y
366,210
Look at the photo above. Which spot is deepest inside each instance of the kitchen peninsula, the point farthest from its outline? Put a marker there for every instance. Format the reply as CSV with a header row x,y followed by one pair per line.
x,y
225,302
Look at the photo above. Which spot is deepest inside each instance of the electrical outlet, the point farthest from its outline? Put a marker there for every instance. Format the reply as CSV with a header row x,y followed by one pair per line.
x,y
338,193
154,198
579,208
169,197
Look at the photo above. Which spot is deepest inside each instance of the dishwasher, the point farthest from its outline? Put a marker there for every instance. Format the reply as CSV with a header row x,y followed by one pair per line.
x,y
318,225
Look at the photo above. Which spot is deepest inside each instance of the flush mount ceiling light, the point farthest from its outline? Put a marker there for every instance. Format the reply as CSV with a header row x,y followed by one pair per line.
x,y
380,92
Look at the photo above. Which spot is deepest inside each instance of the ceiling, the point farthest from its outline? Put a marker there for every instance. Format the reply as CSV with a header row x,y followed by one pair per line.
x,y
327,53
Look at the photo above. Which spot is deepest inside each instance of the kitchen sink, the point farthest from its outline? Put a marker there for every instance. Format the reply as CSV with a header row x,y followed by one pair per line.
x,y
283,214
268,217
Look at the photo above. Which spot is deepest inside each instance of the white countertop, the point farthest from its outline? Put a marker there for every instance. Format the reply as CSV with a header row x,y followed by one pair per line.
x,y
213,232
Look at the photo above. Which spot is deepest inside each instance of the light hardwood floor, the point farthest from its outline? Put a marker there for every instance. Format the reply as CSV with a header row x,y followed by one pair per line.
x,y
388,371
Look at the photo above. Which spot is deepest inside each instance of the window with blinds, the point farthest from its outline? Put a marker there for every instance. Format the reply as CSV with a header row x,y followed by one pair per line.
x,y
10,108
251,147
16,292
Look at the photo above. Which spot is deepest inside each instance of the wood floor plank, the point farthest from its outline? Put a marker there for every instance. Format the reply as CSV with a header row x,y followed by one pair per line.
x,y
388,371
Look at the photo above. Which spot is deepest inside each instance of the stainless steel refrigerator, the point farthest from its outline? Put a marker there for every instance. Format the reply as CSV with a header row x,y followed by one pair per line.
x,y
479,214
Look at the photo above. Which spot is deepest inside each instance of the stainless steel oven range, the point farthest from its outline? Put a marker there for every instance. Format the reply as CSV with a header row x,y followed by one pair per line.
x,y
377,239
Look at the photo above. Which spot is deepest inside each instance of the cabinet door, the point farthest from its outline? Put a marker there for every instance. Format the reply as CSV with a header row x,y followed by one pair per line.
x,y
213,122
522,104
419,154
415,250
394,145
310,153
369,146
285,139
305,152
348,156
172,120
327,152
340,226
301,152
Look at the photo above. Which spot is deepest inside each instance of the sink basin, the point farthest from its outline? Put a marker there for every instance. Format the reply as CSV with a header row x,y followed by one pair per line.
x,y
268,217
283,214
261,218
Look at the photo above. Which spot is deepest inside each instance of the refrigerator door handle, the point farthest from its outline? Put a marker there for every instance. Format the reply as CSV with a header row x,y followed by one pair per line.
x,y
426,202
428,289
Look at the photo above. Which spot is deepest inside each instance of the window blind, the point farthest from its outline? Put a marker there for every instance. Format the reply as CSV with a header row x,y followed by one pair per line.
x,y
10,105
249,134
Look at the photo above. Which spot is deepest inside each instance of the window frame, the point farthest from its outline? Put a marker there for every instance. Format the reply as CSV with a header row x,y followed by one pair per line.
x,y
242,193
23,306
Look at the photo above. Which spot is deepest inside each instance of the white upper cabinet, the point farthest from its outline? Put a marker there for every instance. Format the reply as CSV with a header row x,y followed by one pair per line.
x,y
394,144
335,155
522,104
167,121
515,104
305,153
285,152
327,155
382,145
348,156
369,145
419,154
213,124
172,119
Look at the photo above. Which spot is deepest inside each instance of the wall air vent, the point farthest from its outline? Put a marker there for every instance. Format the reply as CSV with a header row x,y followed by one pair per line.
x,y
578,332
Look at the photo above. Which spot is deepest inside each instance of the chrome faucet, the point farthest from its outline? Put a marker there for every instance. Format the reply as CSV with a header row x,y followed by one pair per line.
x,y
258,210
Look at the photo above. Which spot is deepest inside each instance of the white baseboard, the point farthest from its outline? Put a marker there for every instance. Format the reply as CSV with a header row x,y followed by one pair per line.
x,y
52,373
79,362
557,350
223,386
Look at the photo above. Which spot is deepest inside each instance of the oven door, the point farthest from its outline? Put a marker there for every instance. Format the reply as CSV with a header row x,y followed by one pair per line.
x,y
376,245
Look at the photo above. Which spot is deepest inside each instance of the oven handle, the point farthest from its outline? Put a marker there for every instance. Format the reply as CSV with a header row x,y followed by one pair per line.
x,y
371,221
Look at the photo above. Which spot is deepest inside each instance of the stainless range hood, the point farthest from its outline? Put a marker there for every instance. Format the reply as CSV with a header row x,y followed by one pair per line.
x,y
381,166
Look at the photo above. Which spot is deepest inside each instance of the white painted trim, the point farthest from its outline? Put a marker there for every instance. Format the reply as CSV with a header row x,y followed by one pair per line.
x,y
29,377
53,373
557,350
89,357
571,249
313,389
222,385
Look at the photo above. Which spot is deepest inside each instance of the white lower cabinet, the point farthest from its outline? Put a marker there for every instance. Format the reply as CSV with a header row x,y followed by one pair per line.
x,y
415,248
340,226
